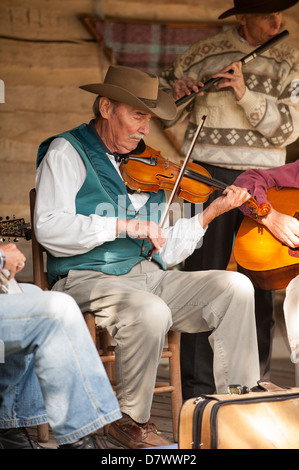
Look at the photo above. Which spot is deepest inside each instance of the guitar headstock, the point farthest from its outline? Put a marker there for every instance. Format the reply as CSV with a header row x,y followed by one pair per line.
x,y
16,228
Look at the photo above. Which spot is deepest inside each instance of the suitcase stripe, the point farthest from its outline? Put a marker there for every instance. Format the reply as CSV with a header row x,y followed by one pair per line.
x,y
197,417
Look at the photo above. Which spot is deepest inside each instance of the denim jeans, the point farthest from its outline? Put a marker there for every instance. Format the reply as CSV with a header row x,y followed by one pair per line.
x,y
51,370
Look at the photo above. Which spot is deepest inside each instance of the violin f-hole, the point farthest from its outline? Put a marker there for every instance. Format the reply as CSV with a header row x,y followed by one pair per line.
x,y
165,176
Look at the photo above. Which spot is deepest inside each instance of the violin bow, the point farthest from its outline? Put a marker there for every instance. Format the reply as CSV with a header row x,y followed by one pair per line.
x,y
178,181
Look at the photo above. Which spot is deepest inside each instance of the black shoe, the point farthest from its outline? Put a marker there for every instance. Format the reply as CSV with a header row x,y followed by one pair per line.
x,y
17,438
91,441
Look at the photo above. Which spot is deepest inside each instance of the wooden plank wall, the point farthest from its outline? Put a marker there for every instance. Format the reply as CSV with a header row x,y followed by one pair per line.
x,y
46,53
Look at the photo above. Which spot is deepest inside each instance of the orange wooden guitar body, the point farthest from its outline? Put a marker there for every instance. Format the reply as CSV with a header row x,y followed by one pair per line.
x,y
265,260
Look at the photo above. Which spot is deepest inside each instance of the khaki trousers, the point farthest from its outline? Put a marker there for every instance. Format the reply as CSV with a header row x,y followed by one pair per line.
x,y
139,308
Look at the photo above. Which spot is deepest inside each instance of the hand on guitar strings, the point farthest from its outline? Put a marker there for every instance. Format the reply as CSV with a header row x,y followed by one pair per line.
x,y
284,227
14,259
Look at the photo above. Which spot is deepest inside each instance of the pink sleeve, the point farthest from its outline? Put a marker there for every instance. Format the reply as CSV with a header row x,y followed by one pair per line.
x,y
259,181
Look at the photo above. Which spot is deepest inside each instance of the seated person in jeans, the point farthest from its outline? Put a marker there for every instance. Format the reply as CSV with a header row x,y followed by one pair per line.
x,y
51,370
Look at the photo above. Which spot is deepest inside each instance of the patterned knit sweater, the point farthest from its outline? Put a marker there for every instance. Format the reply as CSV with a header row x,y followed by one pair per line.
x,y
252,132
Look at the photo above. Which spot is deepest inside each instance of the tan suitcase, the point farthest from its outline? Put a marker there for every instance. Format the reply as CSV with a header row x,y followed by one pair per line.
x,y
256,420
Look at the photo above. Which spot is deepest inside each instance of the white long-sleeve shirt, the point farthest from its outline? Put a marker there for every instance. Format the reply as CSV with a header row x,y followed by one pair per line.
x,y
64,233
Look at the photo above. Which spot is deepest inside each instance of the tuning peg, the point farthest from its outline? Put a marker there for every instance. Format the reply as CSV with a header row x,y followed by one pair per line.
x,y
16,240
2,239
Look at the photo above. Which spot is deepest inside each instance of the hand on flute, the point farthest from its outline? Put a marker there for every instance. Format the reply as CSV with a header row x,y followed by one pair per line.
x,y
232,76
185,86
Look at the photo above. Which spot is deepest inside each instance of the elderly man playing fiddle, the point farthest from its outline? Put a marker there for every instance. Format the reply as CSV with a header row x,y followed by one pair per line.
x,y
98,235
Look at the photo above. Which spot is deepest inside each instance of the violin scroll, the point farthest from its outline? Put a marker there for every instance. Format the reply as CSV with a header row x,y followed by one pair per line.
x,y
264,209
256,210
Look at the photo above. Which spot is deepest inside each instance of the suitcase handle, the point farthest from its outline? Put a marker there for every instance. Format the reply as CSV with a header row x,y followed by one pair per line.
x,y
270,387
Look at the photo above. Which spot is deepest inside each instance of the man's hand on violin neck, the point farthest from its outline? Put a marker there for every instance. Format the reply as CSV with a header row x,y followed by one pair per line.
x,y
231,198
142,229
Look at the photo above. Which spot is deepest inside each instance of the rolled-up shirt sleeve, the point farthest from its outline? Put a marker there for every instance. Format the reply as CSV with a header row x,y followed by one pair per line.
x,y
182,239
258,181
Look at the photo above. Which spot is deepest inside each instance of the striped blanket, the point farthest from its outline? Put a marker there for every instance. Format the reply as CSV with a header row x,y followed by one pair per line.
x,y
151,47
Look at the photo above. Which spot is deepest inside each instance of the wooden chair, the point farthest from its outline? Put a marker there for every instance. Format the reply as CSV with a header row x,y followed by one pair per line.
x,y
102,338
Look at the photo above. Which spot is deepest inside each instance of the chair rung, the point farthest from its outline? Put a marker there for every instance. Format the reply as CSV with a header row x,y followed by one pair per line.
x,y
112,357
108,358
166,354
163,389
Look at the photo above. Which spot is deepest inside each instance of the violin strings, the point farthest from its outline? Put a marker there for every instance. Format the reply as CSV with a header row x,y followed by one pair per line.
x,y
211,182
199,177
204,179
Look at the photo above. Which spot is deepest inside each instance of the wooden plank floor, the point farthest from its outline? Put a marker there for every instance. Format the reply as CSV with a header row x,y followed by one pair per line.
x,y
282,373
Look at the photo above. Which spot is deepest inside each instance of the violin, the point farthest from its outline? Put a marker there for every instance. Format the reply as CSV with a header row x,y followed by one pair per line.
x,y
150,172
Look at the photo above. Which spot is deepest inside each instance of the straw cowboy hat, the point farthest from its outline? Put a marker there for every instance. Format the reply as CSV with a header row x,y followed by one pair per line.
x,y
136,88
257,6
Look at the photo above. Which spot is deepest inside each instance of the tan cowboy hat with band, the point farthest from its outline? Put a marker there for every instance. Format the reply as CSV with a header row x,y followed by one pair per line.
x,y
257,6
136,88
